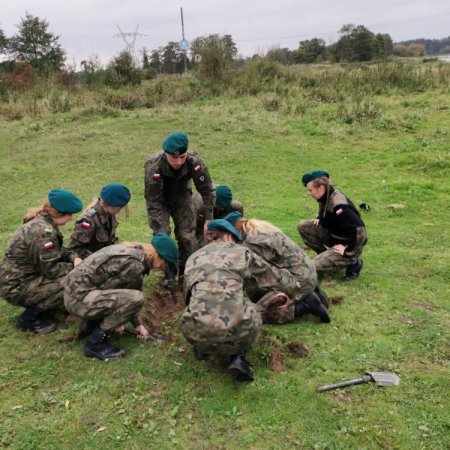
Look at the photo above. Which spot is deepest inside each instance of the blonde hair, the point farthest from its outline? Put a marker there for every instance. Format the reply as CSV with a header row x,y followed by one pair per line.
x,y
150,253
255,226
46,208
96,200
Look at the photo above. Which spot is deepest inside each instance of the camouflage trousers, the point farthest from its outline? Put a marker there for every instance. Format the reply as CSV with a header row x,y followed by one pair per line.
x,y
115,306
318,239
40,292
209,336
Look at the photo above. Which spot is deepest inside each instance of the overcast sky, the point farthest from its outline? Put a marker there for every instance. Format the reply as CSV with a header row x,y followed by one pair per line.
x,y
87,27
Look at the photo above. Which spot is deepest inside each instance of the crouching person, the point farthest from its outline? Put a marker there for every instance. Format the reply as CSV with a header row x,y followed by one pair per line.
x,y
106,290
33,272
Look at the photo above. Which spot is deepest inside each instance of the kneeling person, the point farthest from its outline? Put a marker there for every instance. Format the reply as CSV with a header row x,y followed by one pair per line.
x,y
106,290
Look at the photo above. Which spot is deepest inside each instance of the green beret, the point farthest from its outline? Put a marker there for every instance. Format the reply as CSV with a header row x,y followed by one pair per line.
x,y
115,194
314,174
176,143
64,201
223,196
233,217
224,225
165,247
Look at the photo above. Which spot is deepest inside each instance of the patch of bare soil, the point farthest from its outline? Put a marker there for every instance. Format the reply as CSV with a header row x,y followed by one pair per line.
x,y
161,308
423,305
298,349
276,360
343,397
337,300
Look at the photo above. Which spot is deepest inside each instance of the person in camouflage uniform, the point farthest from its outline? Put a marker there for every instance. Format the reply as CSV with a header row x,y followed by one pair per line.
x,y
96,228
275,247
338,226
33,272
223,206
105,290
219,317
168,192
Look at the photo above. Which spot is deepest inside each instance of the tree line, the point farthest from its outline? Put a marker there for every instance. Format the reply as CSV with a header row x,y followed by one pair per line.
x,y
35,51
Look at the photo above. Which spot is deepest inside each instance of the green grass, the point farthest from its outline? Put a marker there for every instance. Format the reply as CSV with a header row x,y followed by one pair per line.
x,y
394,317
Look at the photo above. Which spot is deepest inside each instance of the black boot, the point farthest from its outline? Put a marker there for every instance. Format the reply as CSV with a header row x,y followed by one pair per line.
x,y
312,305
353,270
198,355
34,320
240,368
323,297
87,327
96,346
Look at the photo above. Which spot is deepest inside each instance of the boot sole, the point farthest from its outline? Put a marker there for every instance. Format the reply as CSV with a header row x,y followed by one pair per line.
x,y
91,354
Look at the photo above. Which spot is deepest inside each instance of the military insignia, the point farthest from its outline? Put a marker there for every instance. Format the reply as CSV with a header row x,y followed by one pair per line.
x,y
85,224
48,231
340,211
48,245
202,178
197,168
156,176
91,212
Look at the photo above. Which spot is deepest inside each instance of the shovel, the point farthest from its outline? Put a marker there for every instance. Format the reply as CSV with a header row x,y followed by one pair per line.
x,y
381,378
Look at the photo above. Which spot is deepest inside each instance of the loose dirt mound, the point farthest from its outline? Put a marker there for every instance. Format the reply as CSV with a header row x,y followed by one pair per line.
x,y
337,300
276,360
298,349
160,308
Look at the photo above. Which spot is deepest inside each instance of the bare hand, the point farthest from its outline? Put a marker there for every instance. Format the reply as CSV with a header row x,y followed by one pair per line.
x,y
316,222
339,249
142,332
76,261
205,227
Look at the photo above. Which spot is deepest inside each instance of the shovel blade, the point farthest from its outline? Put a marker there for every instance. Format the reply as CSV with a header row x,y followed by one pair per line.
x,y
384,379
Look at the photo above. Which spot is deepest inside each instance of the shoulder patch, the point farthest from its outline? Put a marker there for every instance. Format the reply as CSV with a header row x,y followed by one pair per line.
x,y
156,176
197,168
91,212
48,245
85,224
340,211
48,231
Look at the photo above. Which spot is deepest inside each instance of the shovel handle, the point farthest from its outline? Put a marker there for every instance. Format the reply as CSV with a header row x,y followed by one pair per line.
x,y
330,387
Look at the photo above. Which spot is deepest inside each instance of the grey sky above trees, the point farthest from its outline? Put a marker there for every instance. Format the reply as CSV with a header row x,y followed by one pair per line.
x,y
86,27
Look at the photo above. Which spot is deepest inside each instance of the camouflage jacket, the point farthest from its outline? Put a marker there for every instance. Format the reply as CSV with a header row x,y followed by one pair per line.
x,y
215,281
36,249
339,216
218,213
163,185
94,230
112,267
281,251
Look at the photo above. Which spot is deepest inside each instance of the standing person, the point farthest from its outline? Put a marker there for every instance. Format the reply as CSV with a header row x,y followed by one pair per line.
x,y
105,290
224,205
338,234
96,228
275,247
219,316
33,272
168,191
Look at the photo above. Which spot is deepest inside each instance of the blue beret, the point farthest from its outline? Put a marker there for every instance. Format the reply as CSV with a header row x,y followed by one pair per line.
x,y
64,201
176,143
165,247
224,225
223,196
115,194
314,174
233,217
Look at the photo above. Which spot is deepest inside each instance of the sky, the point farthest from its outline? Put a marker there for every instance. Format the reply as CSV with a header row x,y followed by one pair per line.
x,y
89,27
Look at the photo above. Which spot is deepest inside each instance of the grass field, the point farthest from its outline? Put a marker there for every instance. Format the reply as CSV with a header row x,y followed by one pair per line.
x,y
394,317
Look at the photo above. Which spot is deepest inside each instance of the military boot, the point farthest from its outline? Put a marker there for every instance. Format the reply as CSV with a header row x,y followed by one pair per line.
x,y
312,305
353,270
198,355
34,320
323,297
87,327
96,346
240,368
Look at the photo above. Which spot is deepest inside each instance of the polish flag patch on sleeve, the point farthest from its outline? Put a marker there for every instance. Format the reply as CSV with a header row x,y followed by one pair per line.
x,y
340,211
49,244
85,224
197,168
156,176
